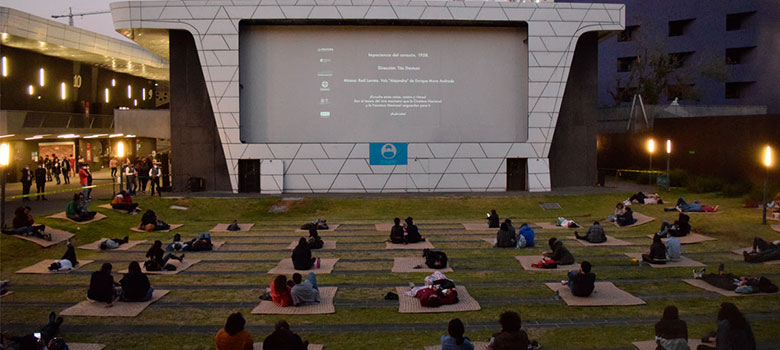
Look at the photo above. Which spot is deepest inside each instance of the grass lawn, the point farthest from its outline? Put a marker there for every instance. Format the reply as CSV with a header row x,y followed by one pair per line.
x,y
231,279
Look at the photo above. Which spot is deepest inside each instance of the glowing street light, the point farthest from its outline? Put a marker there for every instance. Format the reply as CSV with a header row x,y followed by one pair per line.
x,y
668,161
120,149
767,164
5,155
650,150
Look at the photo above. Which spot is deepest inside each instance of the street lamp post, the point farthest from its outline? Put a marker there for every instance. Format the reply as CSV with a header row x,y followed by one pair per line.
x,y
650,150
5,155
767,164
668,161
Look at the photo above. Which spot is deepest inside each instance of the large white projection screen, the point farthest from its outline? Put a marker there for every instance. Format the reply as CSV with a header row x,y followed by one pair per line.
x,y
376,83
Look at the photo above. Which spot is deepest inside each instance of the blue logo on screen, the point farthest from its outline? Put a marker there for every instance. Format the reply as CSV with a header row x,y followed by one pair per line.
x,y
387,153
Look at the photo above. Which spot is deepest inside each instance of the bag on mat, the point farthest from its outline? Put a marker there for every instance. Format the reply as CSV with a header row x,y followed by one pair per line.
x,y
435,259
545,264
151,265
316,243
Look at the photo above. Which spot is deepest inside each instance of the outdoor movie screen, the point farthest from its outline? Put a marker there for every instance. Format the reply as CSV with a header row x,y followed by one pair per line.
x,y
371,83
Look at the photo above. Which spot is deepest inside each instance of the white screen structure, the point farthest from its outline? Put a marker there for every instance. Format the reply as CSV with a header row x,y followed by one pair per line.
x,y
344,84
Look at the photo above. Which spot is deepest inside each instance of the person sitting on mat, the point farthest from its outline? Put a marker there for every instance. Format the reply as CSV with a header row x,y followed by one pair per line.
x,y
234,226
673,249
510,226
102,286
411,233
280,291
595,234
305,292
301,256
510,336
315,242
149,222
762,251
683,206
734,331
671,333
582,281
233,336
493,220
504,238
397,232
135,284
113,243
438,290
525,235
620,209
454,339
78,210
626,218
68,261
284,339
23,225
560,255
123,201
681,227
657,254
156,261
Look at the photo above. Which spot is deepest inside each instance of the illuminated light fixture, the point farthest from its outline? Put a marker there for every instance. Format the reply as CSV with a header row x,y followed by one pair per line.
x,y
5,36
651,146
129,91
120,149
30,90
95,136
36,137
135,102
130,136
63,91
106,93
4,136
42,43
113,82
41,77
768,156
5,154
668,146
67,136
115,135
143,91
5,66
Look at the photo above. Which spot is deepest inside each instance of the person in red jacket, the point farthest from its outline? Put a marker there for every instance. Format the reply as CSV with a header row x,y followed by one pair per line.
x,y
280,291
84,179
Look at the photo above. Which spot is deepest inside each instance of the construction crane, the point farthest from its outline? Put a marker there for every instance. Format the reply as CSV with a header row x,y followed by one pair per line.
x,y
70,15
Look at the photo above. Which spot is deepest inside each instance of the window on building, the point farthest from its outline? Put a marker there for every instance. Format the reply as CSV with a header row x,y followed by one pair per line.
x,y
738,55
627,34
737,90
677,28
678,59
737,21
625,64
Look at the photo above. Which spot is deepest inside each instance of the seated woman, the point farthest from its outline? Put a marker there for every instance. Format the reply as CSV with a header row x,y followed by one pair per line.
x,y
301,255
68,261
504,238
397,232
683,206
559,255
77,209
156,261
493,219
411,233
437,291
113,243
123,201
762,251
641,198
101,286
233,336
149,222
280,291
681,227
671,332
135,284
511,336
23,225
315,242
526,234
620,209
454,339
733,332
657,254
595,234
234,226
625,219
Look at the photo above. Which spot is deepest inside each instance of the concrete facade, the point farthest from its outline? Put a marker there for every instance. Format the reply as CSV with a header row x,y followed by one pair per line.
x,y
553,33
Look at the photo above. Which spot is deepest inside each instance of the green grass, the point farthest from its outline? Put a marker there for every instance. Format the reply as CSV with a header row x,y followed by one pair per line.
x,y
490,274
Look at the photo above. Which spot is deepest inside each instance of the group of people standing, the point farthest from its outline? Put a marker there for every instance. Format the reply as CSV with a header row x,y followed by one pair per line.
x,y
137,175
49,169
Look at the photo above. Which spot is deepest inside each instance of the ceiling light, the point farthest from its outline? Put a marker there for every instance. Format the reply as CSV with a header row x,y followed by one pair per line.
x,y
67,136
115,135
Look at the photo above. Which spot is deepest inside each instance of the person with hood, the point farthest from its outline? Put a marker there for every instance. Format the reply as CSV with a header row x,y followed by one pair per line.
x,y
595,234
493,220
559,253
504,238
397,232
284,339
511,336
301,255
671,333
526,234
411,233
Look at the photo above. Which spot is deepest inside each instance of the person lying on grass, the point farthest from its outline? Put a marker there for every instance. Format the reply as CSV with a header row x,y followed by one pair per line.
x,y
113,243
438,290
762,251
695,207
150,222
68,261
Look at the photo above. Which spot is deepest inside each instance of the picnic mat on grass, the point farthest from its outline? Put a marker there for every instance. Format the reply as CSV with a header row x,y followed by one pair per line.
x,y
383,227
652,345
551,226
749,249
223,228
326,245
527,260
478,345
331,228
411,305
259,346
285,267
478,226
708,287
705,212
418,245
43,267
691,238
683,262
324,307
96,245
180,266
408,264
7,293
85,346
120,308
57,236
61,215
611,242
108,206
640,218
605,294
173,227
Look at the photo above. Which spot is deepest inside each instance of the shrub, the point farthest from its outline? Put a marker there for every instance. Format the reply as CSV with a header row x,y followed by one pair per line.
x,y
700,184
736,190
678,177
